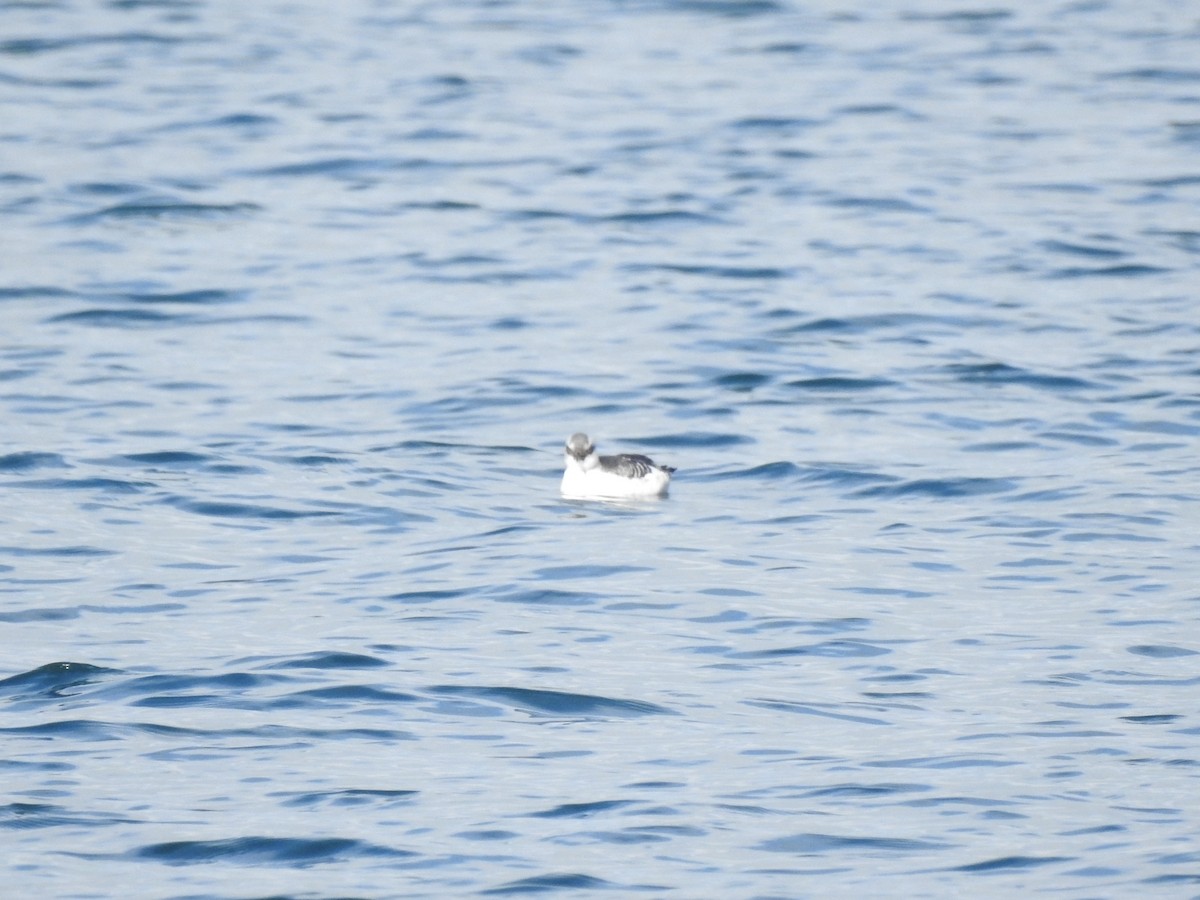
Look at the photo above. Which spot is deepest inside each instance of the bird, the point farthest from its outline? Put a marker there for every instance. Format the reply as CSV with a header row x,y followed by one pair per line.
x,y
626,476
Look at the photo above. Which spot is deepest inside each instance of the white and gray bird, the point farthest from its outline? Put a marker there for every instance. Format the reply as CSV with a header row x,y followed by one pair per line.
x,y
626,476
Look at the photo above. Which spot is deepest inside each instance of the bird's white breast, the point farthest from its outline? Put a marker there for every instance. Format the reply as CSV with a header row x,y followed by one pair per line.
x,y
583,482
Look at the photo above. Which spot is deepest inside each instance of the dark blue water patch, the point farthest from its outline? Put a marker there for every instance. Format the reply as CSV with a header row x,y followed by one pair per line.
x,y
845,478
940,488
868,791
867,324
252,122
510,323
368,169
783,124
943,762
839,384
1176,878
441,206
623,837
1180,239
186,701
740,382
807,626
500,276
939,802
29,816
100,485
906,594
1087,537
73,84
265,319
535,214
267,851
351,798
581,810
331,660
487,834
816,844
785,47
1010,863
82,730
157,208
447,88
810,709
1002,373
558,703
65,552
665,831
553,884
1106,872
122,318
105,188
434,133
40,614
558,573
726,9
53,680
344,694
1148,426
875,204
93,731
442,449
1129,270
1160,651
632,606
749,273
431,596
669,216
835,649
729,615
33,46
187,690
34,292
1092,251
1033,562
547,597
236,510
1155,73
959,15
185,386
697,439
174,459
26,460
1186,131
1080,438
312,460
207,297
880,109
1001,446
27,768
1157,719
1156,446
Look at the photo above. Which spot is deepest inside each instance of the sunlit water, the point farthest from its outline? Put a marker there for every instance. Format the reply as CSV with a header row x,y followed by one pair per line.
x,y
299,302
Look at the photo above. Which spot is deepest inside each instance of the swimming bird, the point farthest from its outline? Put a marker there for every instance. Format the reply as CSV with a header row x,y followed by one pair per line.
x,y
627,476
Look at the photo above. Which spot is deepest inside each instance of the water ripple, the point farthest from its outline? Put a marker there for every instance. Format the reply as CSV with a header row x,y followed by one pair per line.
x,y
557,703
266,851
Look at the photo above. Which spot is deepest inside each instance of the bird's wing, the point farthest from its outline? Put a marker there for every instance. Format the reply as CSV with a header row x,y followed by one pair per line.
x,y
628,465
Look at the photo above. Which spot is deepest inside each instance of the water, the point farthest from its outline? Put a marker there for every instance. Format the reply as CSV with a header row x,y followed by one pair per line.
x,y
300,300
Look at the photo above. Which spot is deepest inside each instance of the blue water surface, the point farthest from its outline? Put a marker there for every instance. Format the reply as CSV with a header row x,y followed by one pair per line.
x,y
298,302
